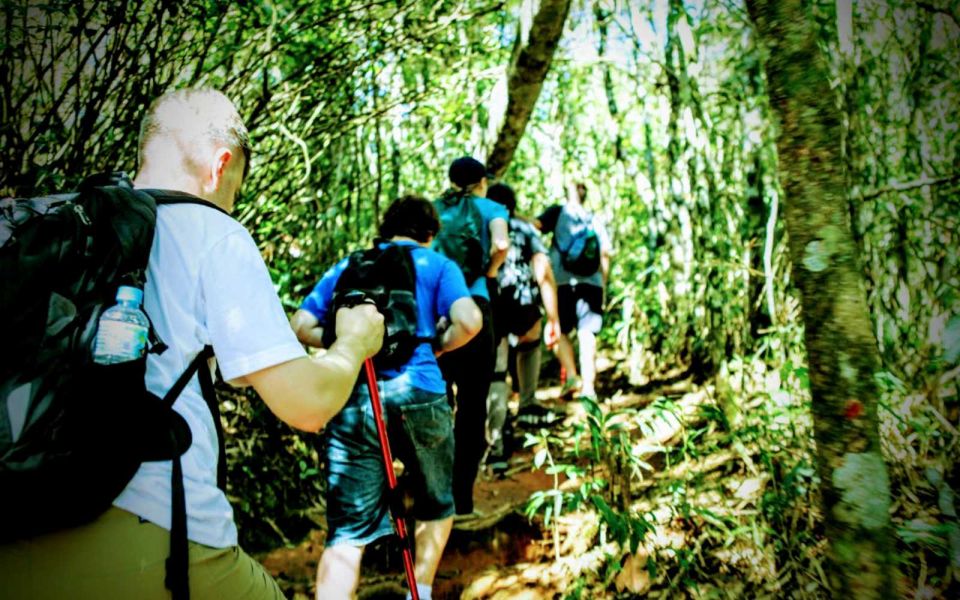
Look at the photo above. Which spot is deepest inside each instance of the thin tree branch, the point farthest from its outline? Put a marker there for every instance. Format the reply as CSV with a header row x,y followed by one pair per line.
x,y
907,186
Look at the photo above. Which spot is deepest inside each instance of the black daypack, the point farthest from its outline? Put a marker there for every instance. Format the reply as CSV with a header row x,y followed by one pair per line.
x,y
461,228
387,277
581,254
73,432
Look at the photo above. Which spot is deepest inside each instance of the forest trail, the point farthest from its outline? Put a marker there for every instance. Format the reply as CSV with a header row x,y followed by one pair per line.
x,y
503,553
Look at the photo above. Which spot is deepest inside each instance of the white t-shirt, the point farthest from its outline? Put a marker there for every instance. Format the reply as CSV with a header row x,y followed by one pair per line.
x,y
206,284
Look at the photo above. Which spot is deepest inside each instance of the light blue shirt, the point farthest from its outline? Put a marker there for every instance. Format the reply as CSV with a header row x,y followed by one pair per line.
x,y
206,284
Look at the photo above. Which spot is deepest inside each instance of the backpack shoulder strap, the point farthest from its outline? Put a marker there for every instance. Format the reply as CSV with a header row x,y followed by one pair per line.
x,y
177,564
177,388
198,366
408,251
169,197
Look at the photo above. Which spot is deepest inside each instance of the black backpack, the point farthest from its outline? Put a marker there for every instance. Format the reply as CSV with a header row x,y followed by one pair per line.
x,y
73,432
461,229
581,256
387,277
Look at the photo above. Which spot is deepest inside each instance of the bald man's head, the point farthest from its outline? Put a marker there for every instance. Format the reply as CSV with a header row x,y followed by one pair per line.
x,y
196,134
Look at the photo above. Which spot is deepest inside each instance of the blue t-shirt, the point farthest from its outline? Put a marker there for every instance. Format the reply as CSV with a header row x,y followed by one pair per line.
x,y
489,210
440,283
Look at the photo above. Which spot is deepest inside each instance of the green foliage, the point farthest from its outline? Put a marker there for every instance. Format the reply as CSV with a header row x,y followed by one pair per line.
x,y
662,109
273,474
603,464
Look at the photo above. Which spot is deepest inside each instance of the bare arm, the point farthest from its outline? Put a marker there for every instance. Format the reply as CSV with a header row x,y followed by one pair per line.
x,y
307,328
499,245
543,272
466,320
306,393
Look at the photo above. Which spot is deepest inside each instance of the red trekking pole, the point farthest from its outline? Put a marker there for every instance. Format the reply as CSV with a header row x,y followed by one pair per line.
x,y
391,476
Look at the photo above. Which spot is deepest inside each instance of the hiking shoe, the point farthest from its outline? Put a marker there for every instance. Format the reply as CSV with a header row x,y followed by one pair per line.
x,y
570,387
470,516
591,397
498,459
499,468
534,415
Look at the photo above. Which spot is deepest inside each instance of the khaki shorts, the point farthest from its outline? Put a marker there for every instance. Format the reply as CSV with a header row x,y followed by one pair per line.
x,y
119,556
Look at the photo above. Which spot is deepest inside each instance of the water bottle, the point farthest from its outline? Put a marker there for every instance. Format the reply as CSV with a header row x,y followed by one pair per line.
x,y
122,330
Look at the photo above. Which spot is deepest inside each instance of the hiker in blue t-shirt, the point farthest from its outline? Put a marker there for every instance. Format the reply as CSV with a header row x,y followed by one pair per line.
x,y
468,217
416,411
580,296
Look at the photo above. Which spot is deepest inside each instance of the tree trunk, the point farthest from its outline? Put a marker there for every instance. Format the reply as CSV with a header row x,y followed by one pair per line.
x,y
525,79
842,351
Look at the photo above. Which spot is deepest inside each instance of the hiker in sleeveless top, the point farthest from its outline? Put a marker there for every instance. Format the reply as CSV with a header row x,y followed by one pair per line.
x,y
527,289
415,407
206,285
473,234
580,254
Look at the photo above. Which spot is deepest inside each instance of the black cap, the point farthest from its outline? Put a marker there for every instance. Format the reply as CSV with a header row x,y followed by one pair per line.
x,y
467,170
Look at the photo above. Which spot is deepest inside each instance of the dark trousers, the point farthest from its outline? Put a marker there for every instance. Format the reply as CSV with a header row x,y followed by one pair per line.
x,y
470,368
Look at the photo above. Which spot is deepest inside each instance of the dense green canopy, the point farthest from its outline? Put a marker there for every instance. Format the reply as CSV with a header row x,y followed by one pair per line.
x,y
665,110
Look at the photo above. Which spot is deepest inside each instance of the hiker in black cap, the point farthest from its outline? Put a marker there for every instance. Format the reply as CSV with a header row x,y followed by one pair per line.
x,y
474,235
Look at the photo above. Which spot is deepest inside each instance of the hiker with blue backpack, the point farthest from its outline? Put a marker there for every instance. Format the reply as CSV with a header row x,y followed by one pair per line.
x,y
580,254
415,288
527,292
474,234
112,474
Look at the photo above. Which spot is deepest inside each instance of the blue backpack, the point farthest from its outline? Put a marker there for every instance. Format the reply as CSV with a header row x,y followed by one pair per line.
x,y
581,256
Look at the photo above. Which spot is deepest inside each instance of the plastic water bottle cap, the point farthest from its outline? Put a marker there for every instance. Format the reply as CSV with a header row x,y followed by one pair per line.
x,y
130,294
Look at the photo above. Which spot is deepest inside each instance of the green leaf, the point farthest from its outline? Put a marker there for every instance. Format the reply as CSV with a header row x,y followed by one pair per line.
x,y
539,458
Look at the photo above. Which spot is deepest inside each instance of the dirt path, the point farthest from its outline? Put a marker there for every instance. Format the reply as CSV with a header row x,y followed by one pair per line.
x,y
497,554
506,538
500,537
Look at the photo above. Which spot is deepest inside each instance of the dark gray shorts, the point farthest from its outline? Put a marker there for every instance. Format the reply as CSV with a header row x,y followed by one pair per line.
x,y
420,428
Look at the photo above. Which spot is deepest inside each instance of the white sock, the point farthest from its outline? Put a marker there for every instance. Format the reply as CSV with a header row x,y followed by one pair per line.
x,y
423,590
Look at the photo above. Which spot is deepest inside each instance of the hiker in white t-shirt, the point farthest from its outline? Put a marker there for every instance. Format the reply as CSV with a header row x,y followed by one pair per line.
x,y
207,285
580,293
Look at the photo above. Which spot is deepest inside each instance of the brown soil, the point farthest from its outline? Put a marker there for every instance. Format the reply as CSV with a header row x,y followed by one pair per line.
x,y
471,550
481,546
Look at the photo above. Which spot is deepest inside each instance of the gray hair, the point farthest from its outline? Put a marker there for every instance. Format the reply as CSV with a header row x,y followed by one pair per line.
x,y
195,114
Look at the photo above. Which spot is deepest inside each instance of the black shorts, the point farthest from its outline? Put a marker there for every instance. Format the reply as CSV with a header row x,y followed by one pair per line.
x,y
580,307
511,317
